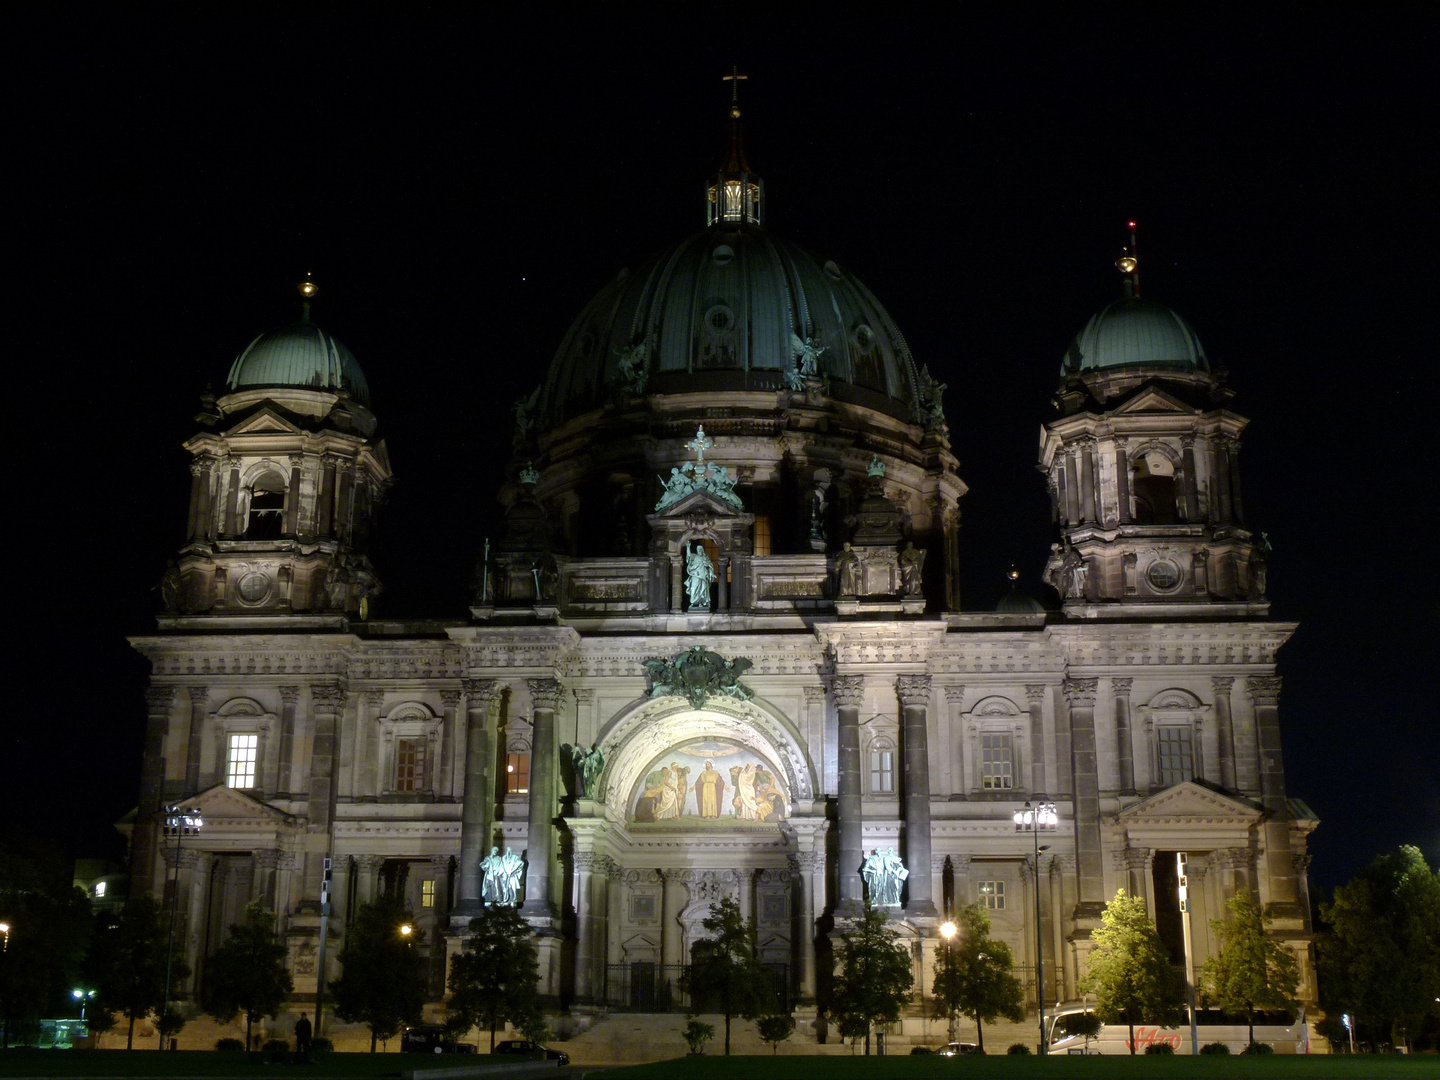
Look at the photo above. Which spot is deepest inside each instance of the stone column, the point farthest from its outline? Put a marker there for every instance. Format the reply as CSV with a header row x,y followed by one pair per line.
x,y
326,703
1080,696
1072,490
614,913
1237,507
340,889
672,944
450,725
960,881
1226,726
199,489
914,694
806,866
343,500
292,496
1035,702
325,503
586,865
1125,742
1087,481
1191,492
480,696
192,880
676,584
1122,479
1068,902
368,781
849,691
1222,480
285,781
367,872
959,781
199,712
158,702
1264,691
232,500
539,844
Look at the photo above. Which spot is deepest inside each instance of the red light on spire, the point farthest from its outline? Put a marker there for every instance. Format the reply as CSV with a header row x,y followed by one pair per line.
x,y
1131,224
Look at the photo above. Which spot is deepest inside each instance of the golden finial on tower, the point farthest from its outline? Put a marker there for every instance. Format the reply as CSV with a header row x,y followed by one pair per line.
x,y
308,288
734,79
1129,264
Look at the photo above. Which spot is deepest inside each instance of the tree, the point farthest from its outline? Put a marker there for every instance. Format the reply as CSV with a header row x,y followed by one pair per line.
x,y
247,972
874,980
382,980
1252,970
775,1029
1379,953
126,962
976,978
724,972
697,1033
1130,973
496,978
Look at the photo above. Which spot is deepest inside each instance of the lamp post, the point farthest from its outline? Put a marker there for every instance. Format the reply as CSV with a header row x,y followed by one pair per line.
x,y
1182,887
178,821
947,931
5,1004
1035,820
82,996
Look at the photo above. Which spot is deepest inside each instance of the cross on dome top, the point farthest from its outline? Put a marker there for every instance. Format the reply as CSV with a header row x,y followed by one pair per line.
x,y
700,443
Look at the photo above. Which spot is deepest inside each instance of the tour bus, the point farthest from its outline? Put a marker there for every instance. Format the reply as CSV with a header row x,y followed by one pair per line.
x,y
1283,1031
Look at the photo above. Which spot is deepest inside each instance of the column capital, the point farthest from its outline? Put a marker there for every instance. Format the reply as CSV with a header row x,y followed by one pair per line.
x,y
849,690
937,864
960,864
584,695
449,699
1121,686
327,697
814,695
545,693
159,698
1035,691
267,859
955,694
913,690
374,698
1080,693
1263,689
1222,683
479,693
289,695
199,695
368,864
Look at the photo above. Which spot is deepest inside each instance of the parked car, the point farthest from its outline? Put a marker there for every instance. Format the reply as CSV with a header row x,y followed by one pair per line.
x,y
526,1048
957,1048
431,1039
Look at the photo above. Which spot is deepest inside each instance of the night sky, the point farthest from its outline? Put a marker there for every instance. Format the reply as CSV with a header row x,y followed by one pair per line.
x,y
460,186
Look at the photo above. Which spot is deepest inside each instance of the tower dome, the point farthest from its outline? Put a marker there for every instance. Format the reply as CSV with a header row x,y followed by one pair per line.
x,y
300,355
1135,333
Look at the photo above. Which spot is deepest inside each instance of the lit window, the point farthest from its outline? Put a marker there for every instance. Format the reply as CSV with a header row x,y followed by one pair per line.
x,y
762,534
1177,755
882,769
992,894
241,771
427,893
100,889
732,209
410,765
517,774
997,763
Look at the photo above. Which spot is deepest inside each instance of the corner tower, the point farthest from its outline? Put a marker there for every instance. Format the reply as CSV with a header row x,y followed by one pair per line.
x,y
1143,470
286,475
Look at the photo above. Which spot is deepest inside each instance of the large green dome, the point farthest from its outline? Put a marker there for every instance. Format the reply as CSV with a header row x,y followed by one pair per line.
x,y
723,310
302,356
1135,333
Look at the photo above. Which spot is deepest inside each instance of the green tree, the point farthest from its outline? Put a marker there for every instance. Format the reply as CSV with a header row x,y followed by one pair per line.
x,y
496,978
775,1029
247,972
725,976
126,962
1130,973
382,976
974,976
1379,953
1252,970
874,980
697,1033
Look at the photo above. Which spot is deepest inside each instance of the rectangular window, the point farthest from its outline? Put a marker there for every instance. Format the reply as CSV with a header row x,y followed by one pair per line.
x,y
992,894
240,771
517,774
762,534
427,893
882,771
410,765
997,763
1177,756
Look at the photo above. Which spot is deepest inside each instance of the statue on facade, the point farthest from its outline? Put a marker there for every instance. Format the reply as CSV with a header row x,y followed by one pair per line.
x,y
634,364
525,418
588,765
699,576
807,355
884,874
912,561
170,588
1259,568
847,568
500,883
929,411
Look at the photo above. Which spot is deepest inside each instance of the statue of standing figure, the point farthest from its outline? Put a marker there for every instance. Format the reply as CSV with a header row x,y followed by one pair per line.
x,y
884,874
588,764
500,883
699,576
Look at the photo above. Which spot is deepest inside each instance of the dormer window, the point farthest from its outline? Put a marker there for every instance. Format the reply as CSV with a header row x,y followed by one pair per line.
x,y
266,520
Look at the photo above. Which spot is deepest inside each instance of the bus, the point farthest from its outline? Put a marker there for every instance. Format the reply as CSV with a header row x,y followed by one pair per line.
x,y
1284,1031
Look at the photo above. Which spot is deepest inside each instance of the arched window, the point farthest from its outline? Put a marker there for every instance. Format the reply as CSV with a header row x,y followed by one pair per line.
x,y
1153,485
882,767
266,519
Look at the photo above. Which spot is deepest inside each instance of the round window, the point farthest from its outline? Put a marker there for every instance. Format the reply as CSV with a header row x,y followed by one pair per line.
x,y
719,319
864,337
253,587
723,255
1163,575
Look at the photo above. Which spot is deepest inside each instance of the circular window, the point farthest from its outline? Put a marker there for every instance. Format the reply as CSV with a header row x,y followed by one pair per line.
x,y
719,319
253,587
833,270
723,255
864,337
1162,575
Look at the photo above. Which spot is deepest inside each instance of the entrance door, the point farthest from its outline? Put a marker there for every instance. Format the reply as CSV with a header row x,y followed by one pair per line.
x,y
642,985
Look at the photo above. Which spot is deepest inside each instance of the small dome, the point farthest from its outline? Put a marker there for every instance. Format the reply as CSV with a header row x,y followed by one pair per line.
x,y
301,356
1014,603
1135,333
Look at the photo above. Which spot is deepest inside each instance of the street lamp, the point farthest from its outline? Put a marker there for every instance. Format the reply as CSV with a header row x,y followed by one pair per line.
x,y
178,822
1035,820
5,930
947,931
82,996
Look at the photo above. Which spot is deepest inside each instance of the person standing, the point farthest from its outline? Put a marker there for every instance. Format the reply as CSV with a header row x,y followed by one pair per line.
x,y
302,1035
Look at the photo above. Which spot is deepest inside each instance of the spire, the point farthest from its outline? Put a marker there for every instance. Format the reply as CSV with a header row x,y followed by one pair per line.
x,y
1129,265
737,194
307,289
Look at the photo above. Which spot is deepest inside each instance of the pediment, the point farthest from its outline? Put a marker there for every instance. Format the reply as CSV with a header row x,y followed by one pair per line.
x,y
264,422
1190,804
700,501
1152,399
223,806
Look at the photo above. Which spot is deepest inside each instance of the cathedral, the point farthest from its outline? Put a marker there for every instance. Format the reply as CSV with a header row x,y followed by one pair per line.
x,y
718,649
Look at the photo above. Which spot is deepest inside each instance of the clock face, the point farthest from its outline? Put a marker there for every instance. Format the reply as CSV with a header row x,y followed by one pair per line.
x,y
1162,575
254,587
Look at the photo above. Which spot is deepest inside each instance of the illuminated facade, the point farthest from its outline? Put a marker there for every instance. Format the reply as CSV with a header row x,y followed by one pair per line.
x,y
719,648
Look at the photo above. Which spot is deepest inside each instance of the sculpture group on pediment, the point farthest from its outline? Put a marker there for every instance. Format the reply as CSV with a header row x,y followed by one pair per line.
x,y
699,476
697,674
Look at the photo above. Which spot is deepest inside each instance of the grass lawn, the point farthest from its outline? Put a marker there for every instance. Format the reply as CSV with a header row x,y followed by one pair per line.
x,y
1235,1067
145,1063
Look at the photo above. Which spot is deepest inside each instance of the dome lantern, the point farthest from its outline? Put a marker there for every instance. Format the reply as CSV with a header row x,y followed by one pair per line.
x,y
736,196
